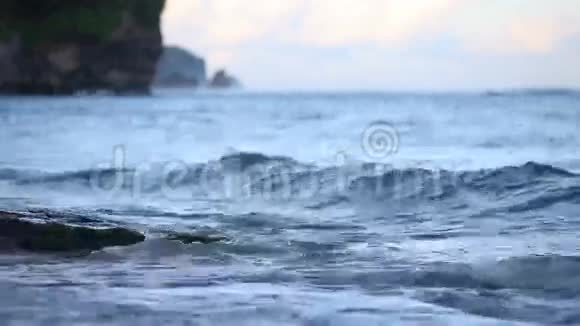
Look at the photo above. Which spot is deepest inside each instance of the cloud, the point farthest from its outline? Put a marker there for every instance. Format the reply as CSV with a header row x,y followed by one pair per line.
x,y
383,22
538,35
490,26
222,58
233,22
316,22
228,22
512,27
379,42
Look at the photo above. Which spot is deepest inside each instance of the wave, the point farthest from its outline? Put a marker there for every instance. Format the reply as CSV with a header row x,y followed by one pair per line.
x,y
543,92
530,272
13,174
442,184
487,290
547,199
522,273
82,177
249,231
244,160
253,175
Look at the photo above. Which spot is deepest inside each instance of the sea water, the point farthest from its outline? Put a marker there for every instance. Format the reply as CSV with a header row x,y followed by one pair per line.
x,y
338,208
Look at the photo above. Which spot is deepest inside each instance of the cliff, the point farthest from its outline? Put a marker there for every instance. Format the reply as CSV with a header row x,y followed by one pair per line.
x,y
180,68
69,46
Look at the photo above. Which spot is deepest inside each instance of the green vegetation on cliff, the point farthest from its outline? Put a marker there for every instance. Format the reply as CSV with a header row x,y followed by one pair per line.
x,y
147,12
68,46
45,21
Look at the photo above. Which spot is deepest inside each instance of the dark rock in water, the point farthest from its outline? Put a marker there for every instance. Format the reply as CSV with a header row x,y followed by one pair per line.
x,y
180,68
70,46
18,233
242,161
188,238
239,162
222,80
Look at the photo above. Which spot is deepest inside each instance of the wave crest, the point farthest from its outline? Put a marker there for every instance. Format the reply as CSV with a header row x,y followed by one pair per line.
x,y
254,175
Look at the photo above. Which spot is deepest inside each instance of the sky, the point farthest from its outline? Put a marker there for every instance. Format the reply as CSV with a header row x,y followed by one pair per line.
x,y
383,44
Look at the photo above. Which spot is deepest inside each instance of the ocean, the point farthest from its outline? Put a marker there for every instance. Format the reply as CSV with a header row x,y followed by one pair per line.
x,y
337,208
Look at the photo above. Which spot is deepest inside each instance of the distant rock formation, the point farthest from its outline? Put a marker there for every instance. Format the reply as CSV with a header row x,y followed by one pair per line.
x,y
67,46
180,68
222,80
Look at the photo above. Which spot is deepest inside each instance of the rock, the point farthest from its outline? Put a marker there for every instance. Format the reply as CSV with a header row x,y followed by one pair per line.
x,y
188,238
17,232
177,80
180,68
241,161
69,46
222,80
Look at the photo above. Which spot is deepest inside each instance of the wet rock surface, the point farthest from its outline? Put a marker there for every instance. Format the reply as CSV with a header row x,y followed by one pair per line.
x,y
42,231
188,238
19,232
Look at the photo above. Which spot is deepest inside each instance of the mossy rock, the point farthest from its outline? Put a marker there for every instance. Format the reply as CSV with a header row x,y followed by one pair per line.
x,y
18,233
